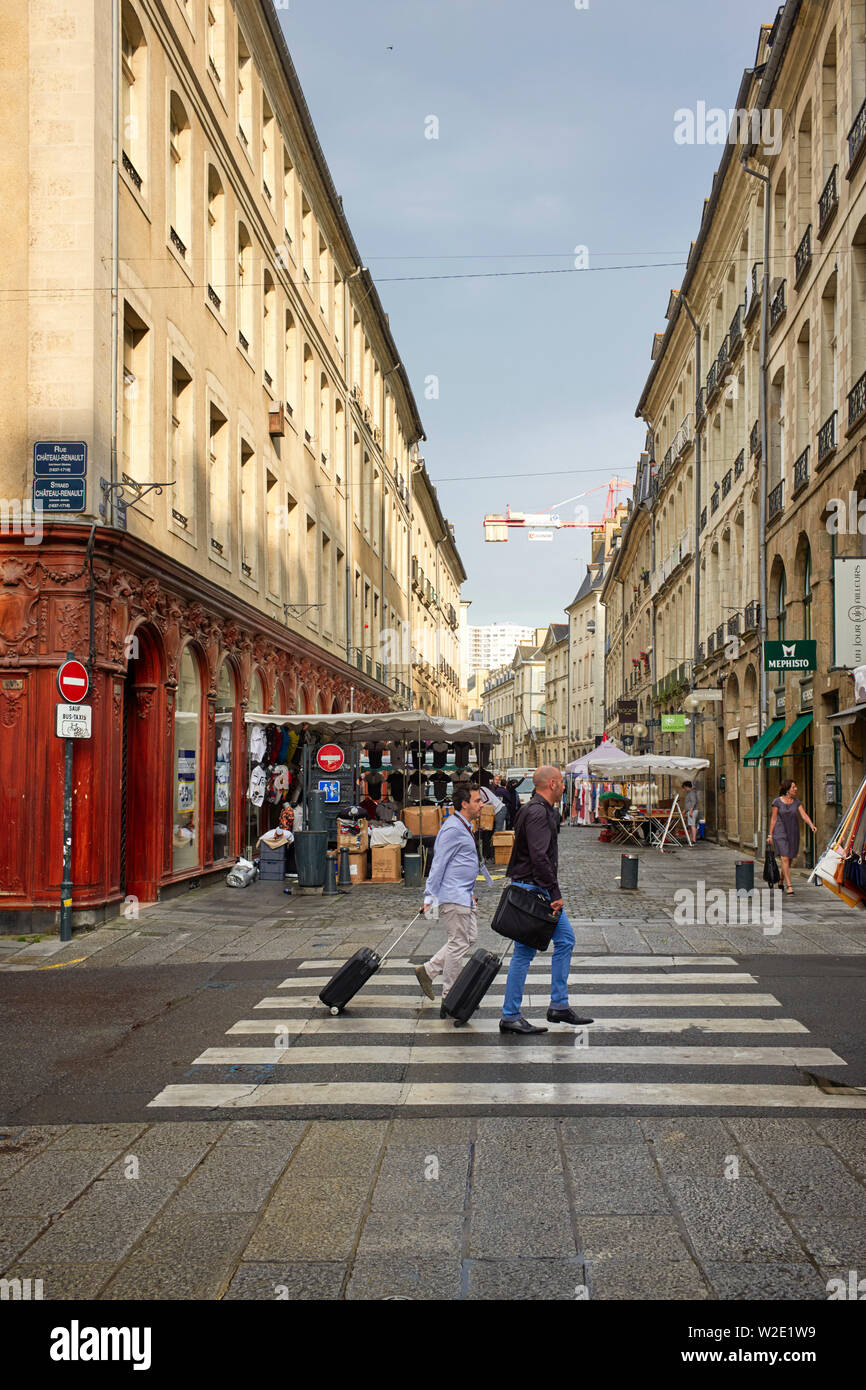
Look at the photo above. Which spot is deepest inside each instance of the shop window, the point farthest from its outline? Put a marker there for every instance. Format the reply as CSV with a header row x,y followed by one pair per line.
x,y
186,791
223,738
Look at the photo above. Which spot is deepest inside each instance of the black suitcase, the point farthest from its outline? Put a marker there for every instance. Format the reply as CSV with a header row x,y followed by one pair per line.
x,y
355,973
472,984
349,979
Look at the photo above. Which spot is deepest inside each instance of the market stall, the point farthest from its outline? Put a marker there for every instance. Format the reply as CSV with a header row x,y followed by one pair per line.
x,y
404,761
640,772
586,789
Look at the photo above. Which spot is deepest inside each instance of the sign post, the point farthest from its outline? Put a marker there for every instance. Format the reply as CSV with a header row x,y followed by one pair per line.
x,y
73,684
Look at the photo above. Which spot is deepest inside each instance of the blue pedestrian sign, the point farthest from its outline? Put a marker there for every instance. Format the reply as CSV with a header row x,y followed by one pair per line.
x,y
331,790
60,475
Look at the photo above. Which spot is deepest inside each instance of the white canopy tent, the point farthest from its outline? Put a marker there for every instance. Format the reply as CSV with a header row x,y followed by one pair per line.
x,y
647,766
376,727
580,767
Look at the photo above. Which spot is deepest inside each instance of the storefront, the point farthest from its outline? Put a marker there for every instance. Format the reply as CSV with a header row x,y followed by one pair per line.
x,y
159,797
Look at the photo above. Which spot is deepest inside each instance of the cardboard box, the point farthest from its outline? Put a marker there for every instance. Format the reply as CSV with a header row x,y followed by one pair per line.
x,y
488,817
356,843
358,867
386,864
421,820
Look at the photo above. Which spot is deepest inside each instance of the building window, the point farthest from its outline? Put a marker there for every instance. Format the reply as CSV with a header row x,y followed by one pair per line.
x,y
245,288
181,446
274,552
135,440
269,178
223,738
780,607
269,332
179,189
807,594
307,240
216,241
309,395
248,510
324,278
218,481
288,199
134,105
324,420
216,38
291,363
186,807
245,95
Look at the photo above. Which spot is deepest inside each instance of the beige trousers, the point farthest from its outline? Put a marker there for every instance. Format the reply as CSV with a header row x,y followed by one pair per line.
x,y
461,924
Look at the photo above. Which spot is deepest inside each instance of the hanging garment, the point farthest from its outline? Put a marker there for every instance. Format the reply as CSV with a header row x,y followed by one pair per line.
x,y
398,754
374,753
283,755
275,739
258,743
293,753
224,746
396,783
258,784
278,784
287,818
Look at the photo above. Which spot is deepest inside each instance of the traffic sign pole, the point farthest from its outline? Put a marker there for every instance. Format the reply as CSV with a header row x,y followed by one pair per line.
x,y
66,881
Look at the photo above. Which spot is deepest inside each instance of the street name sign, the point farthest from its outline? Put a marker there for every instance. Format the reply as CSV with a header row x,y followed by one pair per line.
x,y
60,475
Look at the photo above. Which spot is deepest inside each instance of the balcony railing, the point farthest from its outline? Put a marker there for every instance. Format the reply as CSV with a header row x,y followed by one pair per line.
x,y
774,501
734,625
712,381
720,636
214,297
857,402
778,304
176,242
701,651
857,138
703,517
723,360
700,409
828,201
740,464
754,290
827,437
803,256
244,342
755,439
132,171
801,469
714,499
727,480
751,616
735,332
711,643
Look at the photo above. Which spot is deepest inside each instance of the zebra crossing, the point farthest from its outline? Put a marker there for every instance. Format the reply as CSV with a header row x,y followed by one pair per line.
x,y
391,1051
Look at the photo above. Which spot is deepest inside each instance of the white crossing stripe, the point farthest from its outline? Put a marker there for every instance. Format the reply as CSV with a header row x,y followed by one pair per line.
x,y
428,1023
319,981
520,1054
467,1095
539,1001
387,1025
631,962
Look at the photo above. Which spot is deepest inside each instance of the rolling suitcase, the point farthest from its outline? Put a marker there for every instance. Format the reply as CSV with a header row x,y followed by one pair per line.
x,y
355,973
472,984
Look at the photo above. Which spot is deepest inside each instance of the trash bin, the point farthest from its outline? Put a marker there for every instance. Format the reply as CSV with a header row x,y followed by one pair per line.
x,y
316,806
745,875
412,875
628,871
311,855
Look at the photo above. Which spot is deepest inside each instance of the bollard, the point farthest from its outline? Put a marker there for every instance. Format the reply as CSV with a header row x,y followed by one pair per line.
x,y
745,875
628,871
412,875
330,887
344,881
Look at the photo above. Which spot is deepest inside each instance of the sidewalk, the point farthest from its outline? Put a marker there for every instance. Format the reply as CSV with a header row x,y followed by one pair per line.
x,y
217,923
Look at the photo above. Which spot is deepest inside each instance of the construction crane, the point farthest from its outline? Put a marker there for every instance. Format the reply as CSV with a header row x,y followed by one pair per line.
x,y
541,525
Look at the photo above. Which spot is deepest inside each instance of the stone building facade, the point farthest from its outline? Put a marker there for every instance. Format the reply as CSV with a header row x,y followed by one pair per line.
x,y
253,499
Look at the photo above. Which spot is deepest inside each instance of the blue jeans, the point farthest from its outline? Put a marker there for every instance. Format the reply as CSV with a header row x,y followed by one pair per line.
x,y
563,945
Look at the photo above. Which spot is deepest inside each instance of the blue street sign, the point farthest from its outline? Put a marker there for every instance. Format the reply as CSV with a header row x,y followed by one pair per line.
x,y
59,475
331,790
59,459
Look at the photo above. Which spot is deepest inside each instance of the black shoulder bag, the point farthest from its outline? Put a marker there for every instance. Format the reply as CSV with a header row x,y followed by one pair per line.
x,y
524,915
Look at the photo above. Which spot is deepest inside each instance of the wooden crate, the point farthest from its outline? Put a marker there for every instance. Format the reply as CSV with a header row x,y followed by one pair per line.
x,y
386,864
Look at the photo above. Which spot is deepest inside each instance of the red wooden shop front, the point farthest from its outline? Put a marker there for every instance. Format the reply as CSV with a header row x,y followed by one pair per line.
x,y
159,791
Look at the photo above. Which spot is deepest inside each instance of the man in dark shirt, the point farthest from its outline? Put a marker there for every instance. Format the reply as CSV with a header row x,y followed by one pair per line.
x,y
535,864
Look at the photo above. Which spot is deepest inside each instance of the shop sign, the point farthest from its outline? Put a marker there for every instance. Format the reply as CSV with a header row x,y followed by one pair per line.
x,y
849,610
627,711
673,723
790,656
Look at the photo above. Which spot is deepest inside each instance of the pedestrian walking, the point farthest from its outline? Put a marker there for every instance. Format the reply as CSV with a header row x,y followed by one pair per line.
x,y
534,864
450,891
785,828
512,804
692,810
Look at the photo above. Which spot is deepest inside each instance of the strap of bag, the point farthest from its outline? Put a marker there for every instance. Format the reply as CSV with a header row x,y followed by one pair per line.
x,y
399,938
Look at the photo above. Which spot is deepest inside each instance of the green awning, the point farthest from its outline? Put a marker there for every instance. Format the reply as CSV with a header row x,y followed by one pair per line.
x,y
774,757
754,753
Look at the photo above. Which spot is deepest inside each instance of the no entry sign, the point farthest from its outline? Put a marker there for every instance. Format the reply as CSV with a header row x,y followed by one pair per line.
x,y
330,757
73,682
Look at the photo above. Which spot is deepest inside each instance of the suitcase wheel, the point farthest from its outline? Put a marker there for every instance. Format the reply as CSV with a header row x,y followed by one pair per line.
x,y
335,1009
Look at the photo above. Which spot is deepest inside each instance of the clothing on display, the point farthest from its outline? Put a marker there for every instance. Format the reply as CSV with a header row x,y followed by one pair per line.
x,y
258,743
396,785
258,786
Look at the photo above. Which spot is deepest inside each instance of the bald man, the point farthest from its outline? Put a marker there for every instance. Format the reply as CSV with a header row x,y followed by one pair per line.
x,y
535,864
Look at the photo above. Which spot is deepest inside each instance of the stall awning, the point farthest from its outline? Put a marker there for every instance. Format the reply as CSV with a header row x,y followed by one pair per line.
x,y
757,749
379,727
774,755
847,716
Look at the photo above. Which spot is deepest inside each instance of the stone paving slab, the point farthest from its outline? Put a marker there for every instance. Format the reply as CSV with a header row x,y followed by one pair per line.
x,y
620,1208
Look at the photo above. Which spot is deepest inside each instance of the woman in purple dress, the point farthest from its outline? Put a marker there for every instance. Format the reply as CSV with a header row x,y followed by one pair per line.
x,y
785,828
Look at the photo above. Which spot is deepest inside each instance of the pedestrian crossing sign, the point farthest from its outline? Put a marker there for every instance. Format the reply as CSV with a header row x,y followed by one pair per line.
x,y
331,789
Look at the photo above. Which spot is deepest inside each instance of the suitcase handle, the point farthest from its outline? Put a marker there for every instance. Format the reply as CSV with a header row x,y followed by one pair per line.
x,y
399,938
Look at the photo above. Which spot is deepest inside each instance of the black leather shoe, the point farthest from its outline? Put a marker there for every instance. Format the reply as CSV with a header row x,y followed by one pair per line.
x,y
519,1025
442,1013
566,1016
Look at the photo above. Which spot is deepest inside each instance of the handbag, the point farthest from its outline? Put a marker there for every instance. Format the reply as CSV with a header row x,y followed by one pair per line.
x,y
524,915
772,876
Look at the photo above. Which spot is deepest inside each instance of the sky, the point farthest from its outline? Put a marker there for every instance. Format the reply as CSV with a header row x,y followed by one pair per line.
x,y
555,129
